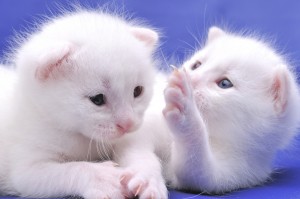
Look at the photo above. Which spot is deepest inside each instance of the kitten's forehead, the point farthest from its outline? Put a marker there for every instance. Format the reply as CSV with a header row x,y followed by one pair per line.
x,y
241,46
239,51
115,61
117,74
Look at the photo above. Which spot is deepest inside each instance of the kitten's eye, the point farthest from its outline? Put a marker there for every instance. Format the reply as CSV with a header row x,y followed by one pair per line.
x,y
196,65
225,83
138,91
98,100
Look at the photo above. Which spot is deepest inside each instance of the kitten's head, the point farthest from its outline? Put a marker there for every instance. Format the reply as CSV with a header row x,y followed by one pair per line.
x,y
241,85
90,73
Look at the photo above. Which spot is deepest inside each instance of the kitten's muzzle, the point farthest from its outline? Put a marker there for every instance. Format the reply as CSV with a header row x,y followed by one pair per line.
x,y
125,126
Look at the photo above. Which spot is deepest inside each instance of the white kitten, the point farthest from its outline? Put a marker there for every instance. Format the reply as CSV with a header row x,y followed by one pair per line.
x,y
234,104
83,81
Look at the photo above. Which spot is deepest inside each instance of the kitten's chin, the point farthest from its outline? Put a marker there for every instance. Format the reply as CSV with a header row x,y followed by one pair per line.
x,y
111,135
117,135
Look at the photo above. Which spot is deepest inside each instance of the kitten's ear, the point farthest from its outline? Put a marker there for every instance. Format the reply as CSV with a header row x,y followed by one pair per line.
x,y
280,89
145,35
54,60
213,33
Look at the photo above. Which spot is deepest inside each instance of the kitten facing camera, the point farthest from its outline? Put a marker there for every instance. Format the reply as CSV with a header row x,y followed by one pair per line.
x,y
82,82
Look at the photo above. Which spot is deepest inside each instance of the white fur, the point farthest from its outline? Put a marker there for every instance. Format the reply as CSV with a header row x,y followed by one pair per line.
x,y
216,140
143,172
51,133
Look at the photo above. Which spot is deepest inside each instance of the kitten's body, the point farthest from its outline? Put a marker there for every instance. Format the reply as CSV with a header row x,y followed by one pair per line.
x,y
73,97
231,134
217,139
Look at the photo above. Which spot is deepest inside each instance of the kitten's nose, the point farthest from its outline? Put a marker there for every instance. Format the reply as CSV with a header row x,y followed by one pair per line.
x,y
124,126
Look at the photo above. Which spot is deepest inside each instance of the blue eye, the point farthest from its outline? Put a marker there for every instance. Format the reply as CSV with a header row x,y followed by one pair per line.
x,y
225,83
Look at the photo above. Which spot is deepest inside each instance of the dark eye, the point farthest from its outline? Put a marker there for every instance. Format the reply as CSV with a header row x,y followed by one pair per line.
x,y
138,91
225,83
196,65
98,100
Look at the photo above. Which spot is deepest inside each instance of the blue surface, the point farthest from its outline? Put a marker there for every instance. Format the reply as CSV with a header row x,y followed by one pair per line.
x,y
182,24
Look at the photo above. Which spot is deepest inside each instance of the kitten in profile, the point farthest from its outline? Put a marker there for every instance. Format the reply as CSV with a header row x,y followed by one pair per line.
x,y
82,82
227,112
234,104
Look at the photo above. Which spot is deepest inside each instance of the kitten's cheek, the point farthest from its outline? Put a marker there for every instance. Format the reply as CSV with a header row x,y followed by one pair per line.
x,y
201,101
195,82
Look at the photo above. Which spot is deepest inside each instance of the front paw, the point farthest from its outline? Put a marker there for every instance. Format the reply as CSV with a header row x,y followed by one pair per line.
x,y
179,98
145,186
102,181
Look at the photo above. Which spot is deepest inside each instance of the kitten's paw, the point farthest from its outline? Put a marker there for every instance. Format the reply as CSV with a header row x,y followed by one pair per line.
x,y
145,186
179,92
181,80
179,98
102,181
173,115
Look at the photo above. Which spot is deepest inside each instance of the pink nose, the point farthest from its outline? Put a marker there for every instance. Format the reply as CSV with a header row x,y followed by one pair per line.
x,y
124,126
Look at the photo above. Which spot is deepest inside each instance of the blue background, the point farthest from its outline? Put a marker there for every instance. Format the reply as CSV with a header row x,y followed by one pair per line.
x,y
184,24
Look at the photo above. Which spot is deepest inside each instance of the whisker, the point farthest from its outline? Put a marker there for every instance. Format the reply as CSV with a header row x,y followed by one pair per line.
x,y
195,196
195,38
113,153
162,54
189,45
106,151
89,154
98,150
103,151
173,67
204,18
164,59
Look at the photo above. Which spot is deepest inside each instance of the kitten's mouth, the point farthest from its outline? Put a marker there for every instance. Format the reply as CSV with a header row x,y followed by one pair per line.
x,y
119,130
122,131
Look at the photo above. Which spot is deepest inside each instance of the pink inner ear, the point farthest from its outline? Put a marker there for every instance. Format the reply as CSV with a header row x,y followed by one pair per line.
x,y
280,91
52,62
44,73
149,37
